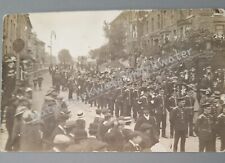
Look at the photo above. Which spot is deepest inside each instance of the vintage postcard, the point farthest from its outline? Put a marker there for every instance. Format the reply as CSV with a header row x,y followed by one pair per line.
x,y
114,81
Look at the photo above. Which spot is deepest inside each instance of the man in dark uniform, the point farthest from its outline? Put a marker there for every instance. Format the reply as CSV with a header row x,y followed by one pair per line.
x,y
111,100
179,119
221,128
143,103
40,80
151,101
133,98
119,105
161,112
71,88
126,103
172,103
204,129
190,106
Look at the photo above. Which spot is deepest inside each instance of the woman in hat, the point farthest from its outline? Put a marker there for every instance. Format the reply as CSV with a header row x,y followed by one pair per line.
x,y
16,132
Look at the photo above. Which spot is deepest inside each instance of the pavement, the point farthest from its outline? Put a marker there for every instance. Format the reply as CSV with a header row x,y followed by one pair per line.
x,y
37,101
89,112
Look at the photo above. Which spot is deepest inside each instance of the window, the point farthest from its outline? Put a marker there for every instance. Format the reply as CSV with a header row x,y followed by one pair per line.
x,y
5,49
219,30
153,24
147,26
158,21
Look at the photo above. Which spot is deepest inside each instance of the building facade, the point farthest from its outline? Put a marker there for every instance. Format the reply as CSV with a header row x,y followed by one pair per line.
x,y
19,26
162,26
148,30
15,26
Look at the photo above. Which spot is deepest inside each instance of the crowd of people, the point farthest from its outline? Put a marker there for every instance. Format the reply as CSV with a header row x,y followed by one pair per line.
x,y
130,117
175,95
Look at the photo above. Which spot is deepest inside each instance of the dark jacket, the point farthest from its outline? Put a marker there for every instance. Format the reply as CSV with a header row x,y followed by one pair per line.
x,y
141,120
152,122
204,127
115,139
179,118
220,124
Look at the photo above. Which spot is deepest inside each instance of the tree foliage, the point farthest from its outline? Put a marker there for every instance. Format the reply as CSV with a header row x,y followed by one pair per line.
x,y
65,57
116,35
100,54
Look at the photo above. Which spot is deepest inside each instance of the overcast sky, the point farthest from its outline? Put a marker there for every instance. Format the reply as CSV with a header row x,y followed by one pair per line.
x,y
76,31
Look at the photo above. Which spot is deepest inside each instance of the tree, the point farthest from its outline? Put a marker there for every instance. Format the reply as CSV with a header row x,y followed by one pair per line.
x,y
116,35
65,57
100,54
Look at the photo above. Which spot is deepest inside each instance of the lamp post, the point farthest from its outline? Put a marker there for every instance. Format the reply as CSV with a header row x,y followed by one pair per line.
x,y
52,35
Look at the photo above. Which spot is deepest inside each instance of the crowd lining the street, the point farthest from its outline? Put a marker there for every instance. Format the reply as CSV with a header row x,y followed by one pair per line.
x,y
194,106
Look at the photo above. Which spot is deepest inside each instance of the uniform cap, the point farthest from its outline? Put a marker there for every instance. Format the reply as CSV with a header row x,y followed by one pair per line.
x,y
207,104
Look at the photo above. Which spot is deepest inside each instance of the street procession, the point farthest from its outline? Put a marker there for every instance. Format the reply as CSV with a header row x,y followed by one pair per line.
x,y
161,91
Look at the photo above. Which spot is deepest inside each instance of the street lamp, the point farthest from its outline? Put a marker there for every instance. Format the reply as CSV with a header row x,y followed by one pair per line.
x,y
53,35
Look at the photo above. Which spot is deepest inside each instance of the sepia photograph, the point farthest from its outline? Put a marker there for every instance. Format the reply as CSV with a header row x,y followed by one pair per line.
x,y
113,81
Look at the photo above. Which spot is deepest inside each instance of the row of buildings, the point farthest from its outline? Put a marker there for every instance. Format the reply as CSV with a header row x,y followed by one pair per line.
x,y
19,26
149,29
20,67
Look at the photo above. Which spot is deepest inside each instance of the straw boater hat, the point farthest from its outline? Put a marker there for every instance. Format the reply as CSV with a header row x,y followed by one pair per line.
x,y
80,114
28,90
20,110
127,120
